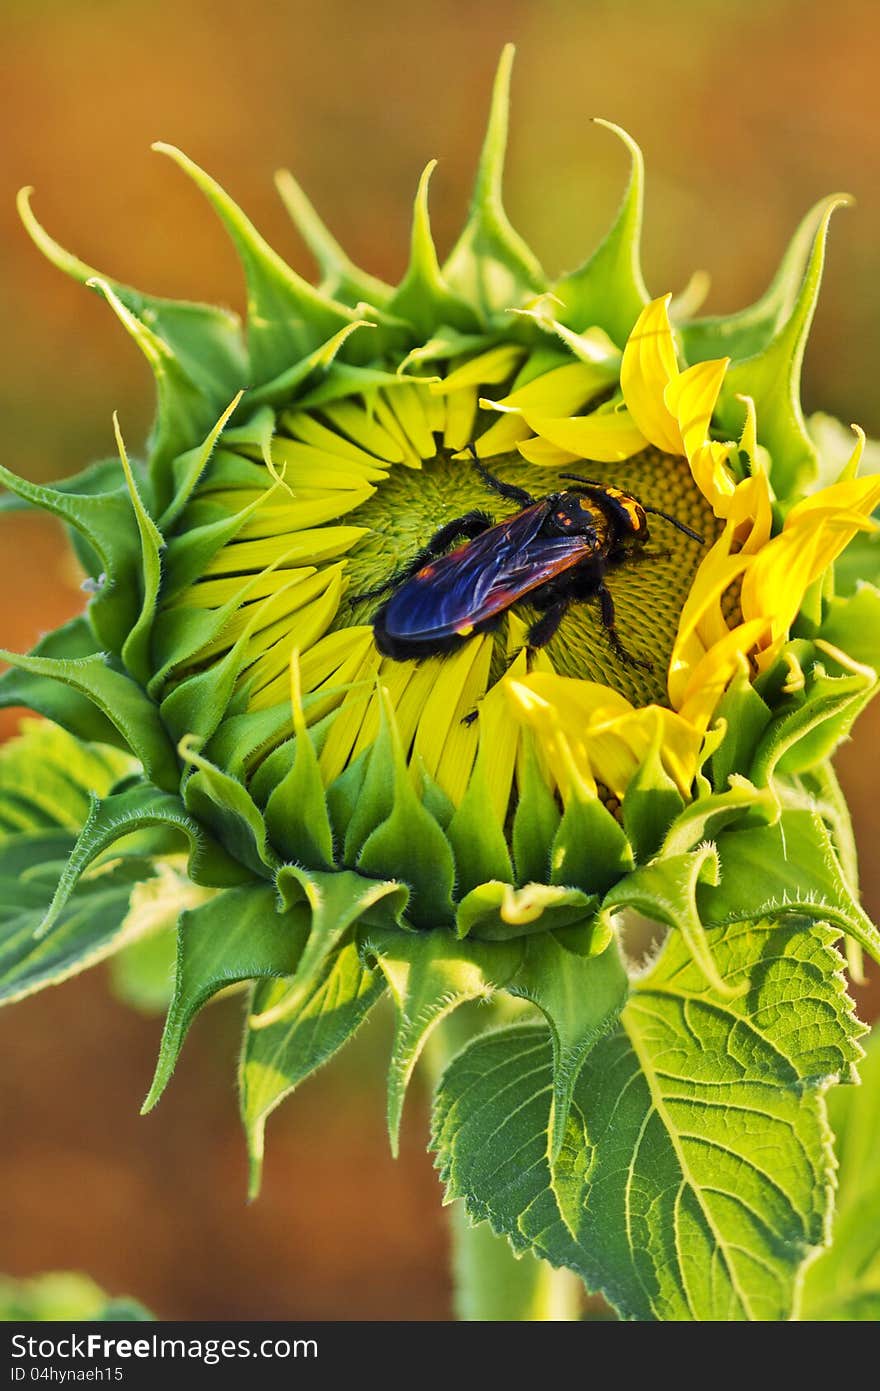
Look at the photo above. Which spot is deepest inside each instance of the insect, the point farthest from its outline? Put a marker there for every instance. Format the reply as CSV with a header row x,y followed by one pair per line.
x,y
554,551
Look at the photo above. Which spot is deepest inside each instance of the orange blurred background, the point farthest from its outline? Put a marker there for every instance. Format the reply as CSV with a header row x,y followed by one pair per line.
x,y
746,114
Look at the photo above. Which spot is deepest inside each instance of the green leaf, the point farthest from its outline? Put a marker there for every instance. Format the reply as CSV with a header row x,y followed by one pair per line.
x,y
107,523
581,997
117,697
142,971
64,1296
276,1059
609,291
695,1176
429,975
490,264
136,654
745,717
535,821
86,928
844,1283
240,935
49,776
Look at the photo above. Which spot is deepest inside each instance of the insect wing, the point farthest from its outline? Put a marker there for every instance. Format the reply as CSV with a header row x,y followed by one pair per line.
x,y
481,578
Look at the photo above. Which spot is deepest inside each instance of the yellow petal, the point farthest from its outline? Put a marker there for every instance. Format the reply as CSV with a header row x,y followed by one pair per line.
x,y
647,368
690,397
606,436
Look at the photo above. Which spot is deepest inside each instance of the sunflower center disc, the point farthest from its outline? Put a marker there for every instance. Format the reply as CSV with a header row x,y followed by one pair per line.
x,y
648,595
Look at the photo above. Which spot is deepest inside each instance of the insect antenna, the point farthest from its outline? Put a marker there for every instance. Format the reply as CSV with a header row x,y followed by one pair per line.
x,y
688,531
655,511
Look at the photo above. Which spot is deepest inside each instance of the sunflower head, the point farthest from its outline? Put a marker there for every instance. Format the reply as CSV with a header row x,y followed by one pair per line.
x,y
446,621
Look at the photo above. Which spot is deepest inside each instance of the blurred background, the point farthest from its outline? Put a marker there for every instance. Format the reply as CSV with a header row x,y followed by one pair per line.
x,y
746,113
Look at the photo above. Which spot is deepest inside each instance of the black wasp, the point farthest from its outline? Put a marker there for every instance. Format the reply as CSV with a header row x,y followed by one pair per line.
x,y
556,550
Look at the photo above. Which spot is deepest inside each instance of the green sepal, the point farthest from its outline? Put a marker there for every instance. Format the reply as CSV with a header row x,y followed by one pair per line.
x,y
609,289
107,523
119,699
276,1059
580,994
341,279
343,794
247,739
535,822
287,317
183,414
477,836
423,297
222,803
136,654
430,974
651,803
490,265
188,468
771,377
195,707
749,330
825,795
390,827
311,369
297,817
118,815
590,850
852,625
810,724
240,935
790,867
745,717
666,892
335,900
843,1284
496,911
704,818
58,702
207,340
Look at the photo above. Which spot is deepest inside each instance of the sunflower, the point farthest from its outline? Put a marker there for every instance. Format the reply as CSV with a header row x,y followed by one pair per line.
x,y
479,819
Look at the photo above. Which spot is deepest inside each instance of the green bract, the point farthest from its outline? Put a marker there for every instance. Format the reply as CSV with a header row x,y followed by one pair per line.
x,y
331,830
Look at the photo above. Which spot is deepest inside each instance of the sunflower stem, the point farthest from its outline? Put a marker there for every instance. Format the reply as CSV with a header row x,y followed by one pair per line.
x,y
490,1283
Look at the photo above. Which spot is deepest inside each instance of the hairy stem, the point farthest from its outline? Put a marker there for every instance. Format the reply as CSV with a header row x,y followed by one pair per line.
x,y
490,1283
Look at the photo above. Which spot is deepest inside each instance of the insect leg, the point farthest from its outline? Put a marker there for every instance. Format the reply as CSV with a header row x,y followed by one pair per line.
x,y
508,490
608,620
460,529
544,628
